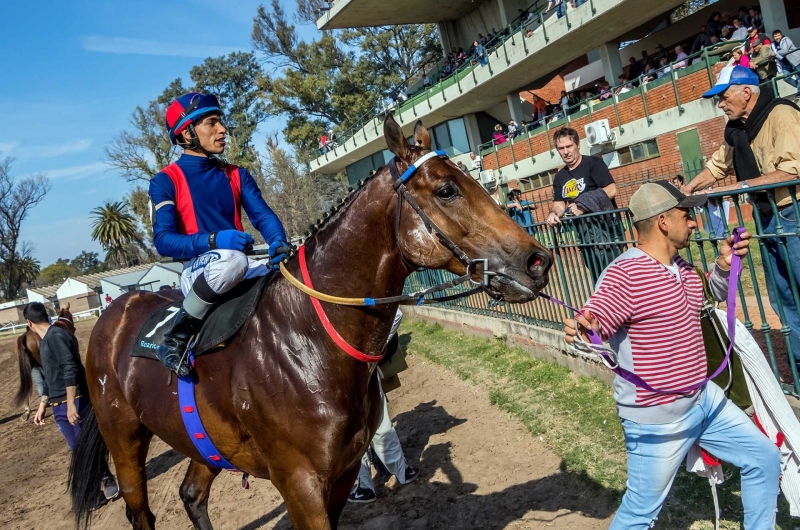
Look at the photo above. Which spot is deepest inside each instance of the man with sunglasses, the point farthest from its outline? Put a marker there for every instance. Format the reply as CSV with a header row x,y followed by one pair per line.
x,y
196,205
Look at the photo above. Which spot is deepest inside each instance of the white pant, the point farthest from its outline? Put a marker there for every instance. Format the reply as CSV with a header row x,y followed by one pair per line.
x,y
223,269
386,445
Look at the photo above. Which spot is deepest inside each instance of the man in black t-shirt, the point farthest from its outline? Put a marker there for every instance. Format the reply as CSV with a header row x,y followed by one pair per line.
x,y
585,186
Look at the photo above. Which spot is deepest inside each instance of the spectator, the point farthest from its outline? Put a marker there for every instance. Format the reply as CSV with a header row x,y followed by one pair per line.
x,y
661,53
323,143
786,59
648,74
558,113
426,81
725,33
680,58
498,137
524,14
605,91
752,36
714,24
739,58
494,193
528,33
756,20
481,40
714,40
665,68
740,30
624,85
480,52
648,306
645,60
550,5
678,181
539,109
513,129
64,385
636,69
518,209
476,161
462,167
700,40
585,185
762,146
332,143
761,61
573,103
563,100
744,16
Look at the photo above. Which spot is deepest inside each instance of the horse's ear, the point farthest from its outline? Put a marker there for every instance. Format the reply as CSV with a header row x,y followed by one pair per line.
x,y
395,140
422,137
67,307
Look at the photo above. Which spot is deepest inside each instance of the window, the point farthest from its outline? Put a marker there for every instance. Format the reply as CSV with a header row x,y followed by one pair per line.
x,y
450,137
638,152
539,180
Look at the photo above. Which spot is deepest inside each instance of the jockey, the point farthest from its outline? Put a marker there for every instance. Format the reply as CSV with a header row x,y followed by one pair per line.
x,y
196,211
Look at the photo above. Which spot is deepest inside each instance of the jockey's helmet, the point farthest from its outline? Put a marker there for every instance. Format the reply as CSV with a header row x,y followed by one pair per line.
x,y
186,110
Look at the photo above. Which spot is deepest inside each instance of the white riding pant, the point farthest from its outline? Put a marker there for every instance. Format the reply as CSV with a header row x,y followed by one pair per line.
x,y
386,445
223,269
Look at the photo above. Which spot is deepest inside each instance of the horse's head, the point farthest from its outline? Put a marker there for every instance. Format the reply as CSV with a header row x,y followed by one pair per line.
x,y
64,318
468,217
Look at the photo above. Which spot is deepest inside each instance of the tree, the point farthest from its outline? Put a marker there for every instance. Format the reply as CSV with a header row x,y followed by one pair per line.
x,y
17,197
57,272
337,79
294,194
115,229
87,263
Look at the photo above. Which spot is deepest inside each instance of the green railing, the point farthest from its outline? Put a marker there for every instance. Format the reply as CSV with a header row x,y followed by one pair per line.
x,y
583,246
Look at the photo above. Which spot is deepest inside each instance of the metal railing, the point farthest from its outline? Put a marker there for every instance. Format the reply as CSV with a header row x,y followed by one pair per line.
x,y
583,246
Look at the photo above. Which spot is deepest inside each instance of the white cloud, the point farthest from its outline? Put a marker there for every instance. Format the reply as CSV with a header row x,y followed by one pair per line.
x,y
65,148
80,172
123,45
7,148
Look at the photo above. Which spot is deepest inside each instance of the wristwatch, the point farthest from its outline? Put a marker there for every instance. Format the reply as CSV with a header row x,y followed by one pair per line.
x,y
212,241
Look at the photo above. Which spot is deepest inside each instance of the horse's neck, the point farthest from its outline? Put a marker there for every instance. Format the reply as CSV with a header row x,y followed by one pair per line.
x,y
356,256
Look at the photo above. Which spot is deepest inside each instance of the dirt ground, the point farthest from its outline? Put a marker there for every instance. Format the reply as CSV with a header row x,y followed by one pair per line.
x,y
479,469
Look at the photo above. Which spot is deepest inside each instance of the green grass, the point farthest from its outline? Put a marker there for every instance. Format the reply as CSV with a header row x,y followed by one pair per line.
x,y
574,415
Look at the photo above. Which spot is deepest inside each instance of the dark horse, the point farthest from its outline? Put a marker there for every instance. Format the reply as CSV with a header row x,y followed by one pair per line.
x,y
28,358
282,401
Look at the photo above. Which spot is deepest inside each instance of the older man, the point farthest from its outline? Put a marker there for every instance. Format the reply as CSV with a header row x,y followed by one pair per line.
x,y
647,305
761,62
762,146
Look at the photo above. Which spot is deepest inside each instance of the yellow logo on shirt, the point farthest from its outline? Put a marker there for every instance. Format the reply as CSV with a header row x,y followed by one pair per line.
x,y
573,188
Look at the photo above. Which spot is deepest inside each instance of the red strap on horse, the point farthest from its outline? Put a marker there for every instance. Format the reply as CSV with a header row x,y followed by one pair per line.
x,y
349,350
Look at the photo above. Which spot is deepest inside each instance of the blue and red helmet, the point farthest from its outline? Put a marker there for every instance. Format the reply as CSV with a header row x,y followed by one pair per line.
x,y
186,110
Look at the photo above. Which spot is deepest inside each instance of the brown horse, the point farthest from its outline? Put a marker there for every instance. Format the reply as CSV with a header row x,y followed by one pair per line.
x,y
28,358
282,401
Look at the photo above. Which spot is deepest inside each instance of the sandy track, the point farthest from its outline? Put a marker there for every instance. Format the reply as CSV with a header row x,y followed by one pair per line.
x,y
480,469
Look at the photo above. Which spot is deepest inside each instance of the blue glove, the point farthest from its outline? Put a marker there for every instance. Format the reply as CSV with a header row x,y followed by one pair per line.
x,y
278,251
231,240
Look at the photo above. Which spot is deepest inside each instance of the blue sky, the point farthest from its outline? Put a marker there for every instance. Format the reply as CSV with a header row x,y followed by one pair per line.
x,y
72,74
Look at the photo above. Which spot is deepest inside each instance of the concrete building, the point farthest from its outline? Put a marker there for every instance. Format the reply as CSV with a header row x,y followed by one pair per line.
x,y
11,313
663,126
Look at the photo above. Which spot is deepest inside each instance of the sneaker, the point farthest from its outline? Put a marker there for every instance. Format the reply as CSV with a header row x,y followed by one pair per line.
x,y
362,496
412,473
110,488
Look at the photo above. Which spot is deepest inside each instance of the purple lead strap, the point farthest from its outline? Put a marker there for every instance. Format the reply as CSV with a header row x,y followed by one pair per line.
x,y
733,282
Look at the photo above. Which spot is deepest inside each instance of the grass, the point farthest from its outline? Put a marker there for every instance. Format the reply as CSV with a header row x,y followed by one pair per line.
x,y
575,416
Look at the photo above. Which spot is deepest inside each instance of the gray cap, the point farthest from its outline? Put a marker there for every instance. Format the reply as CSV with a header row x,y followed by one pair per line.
x,y
653,198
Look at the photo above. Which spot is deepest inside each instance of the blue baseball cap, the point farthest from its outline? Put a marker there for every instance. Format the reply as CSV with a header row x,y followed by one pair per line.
x,y
732,75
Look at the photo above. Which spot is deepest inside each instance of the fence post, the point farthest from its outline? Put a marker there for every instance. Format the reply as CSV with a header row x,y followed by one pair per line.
x,y
674,76
566,16
644,102
544,29
591,4
708,67
616,113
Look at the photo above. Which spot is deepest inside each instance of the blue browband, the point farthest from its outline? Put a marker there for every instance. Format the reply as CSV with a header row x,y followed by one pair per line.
x,y
408,173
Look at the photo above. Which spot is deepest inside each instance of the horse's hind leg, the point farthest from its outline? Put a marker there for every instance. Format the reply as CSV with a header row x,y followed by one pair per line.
x,y
194,493
128,447
305,496
340,491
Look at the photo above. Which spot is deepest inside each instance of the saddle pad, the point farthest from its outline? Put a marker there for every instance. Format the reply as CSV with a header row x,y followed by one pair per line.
x,y
221,324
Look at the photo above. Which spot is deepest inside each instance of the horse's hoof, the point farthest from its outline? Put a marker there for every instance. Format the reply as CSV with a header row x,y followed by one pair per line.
x,y
25,416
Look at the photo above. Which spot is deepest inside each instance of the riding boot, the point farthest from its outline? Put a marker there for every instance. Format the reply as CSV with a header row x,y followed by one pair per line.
x,y
185,325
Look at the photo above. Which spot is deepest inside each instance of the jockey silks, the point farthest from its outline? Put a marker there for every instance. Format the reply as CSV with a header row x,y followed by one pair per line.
x,y
195,197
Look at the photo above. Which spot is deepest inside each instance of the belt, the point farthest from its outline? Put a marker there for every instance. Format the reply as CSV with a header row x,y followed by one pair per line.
x,y
62,402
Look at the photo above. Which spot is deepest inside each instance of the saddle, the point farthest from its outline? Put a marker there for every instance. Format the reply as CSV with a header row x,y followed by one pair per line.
x,y
220,325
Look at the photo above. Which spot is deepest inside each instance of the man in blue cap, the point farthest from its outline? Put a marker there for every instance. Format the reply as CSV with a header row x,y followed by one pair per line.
x,y
762,146
196,204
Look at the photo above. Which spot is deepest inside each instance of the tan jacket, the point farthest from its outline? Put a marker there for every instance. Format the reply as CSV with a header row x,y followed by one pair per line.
x,y
776,148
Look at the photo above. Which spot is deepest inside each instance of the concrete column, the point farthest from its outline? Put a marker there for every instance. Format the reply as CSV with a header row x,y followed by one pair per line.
x,y
444,37
612,64
774,13
515,107
473,132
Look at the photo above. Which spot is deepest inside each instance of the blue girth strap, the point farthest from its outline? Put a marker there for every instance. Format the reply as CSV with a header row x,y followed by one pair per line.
x,y
194,425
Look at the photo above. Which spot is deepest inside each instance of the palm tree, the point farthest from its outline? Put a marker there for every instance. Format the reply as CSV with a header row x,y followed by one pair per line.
x,y
113,227
28,268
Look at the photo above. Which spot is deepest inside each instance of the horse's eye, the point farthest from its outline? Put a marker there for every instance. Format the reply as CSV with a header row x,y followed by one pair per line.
x,y
446,192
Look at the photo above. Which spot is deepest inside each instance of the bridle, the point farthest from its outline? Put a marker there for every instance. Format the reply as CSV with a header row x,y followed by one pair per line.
x,y
418,297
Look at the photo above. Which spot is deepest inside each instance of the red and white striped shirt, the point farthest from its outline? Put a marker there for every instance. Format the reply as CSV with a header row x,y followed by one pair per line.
x,y
651,316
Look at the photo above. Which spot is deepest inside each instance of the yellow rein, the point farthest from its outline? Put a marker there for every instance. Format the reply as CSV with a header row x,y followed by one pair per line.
x,y
318,295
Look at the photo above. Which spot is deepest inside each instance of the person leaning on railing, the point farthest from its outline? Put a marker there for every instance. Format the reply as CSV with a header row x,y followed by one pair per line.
x,y
787,57
762,146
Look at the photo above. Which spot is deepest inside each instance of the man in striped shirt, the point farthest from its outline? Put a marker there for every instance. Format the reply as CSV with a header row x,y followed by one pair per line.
x,y
647,306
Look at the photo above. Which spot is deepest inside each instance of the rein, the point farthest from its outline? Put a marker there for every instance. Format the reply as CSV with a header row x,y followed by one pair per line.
x,y
612,363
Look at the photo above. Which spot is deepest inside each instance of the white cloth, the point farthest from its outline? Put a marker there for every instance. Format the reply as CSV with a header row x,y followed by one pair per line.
x,y
772,410
223,269
386,445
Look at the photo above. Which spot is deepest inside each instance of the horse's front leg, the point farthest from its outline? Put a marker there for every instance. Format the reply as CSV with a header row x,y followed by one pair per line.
x,y
306,495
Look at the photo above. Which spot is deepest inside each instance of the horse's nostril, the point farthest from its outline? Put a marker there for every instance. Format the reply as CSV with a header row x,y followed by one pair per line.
x,y
539,262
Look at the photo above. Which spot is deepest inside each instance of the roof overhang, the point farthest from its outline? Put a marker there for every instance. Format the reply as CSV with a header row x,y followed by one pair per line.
x,y
365,13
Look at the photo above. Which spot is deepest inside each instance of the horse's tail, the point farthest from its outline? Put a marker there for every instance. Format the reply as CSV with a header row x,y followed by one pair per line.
x,y
25,367
88,466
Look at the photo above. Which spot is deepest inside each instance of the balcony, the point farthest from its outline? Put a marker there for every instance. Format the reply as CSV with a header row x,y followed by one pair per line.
x,y
516,62
365,13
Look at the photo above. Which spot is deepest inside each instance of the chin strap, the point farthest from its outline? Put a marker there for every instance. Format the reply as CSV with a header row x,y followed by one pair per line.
x,y
194,145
